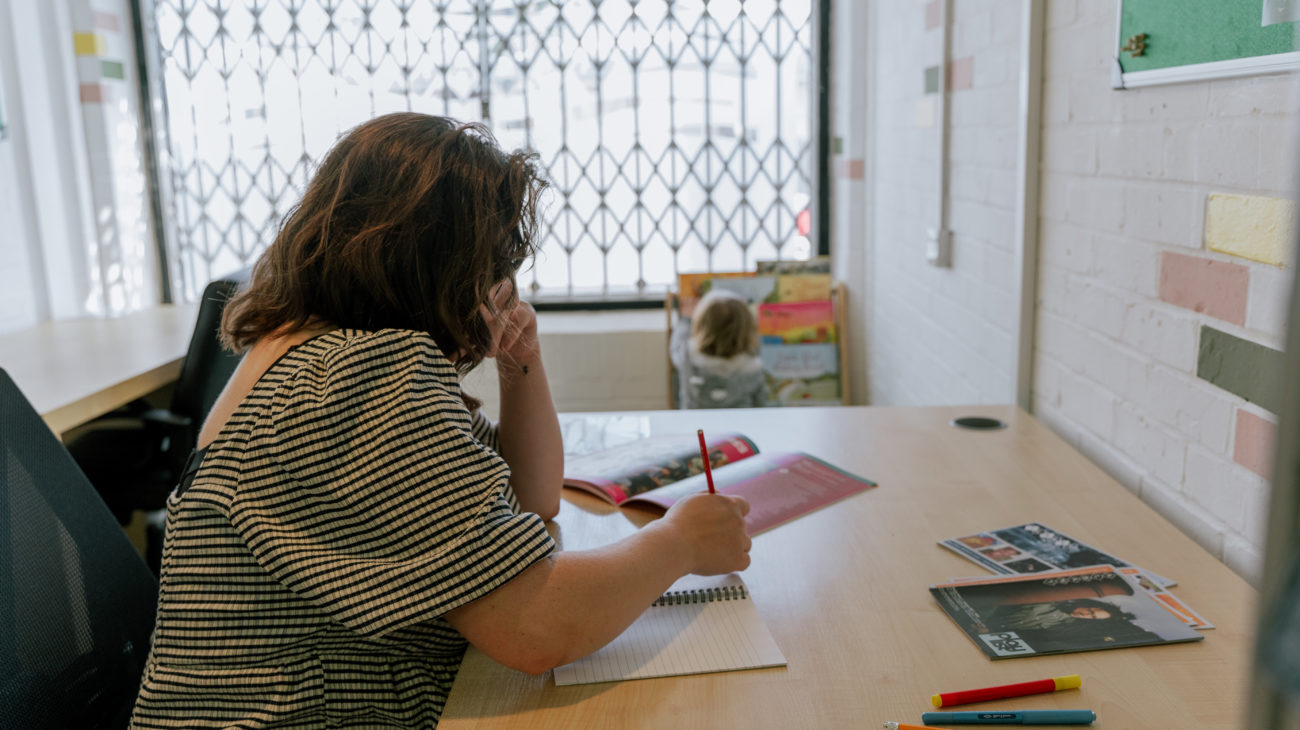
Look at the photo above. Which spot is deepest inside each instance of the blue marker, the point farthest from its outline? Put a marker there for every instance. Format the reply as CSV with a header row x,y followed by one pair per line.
x,y
1023,717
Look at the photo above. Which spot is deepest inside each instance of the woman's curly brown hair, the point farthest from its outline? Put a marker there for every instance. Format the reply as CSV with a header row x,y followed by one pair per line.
x,y
408,223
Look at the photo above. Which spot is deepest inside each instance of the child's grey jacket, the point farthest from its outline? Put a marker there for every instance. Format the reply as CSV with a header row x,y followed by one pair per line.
x,y
706,381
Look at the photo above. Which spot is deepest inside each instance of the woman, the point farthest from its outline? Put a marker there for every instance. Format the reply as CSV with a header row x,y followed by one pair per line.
x,y
350,520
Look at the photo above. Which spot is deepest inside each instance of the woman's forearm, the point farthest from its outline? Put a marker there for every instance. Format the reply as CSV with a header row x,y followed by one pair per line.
x,y
528,434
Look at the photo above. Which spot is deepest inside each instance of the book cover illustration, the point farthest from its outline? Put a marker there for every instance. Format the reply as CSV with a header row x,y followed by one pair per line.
x,y
625,471
1067,611
814,265
802,288
778,486
802,374
796,322
1033,548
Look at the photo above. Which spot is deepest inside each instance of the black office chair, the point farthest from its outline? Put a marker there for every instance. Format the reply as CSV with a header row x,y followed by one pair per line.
x,y
78,602
135,456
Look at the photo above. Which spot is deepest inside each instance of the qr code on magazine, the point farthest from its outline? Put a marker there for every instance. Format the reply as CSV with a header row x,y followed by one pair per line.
x,y
1006,643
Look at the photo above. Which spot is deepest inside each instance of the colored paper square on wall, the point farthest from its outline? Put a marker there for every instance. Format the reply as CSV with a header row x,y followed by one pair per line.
x,y
113,70
795,322
1250,227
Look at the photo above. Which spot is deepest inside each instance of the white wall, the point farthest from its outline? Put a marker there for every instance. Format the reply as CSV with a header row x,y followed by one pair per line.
x,y
1125,178
941,335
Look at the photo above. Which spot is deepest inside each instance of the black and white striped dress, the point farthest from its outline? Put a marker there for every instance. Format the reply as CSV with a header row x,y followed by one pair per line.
x,y
349,502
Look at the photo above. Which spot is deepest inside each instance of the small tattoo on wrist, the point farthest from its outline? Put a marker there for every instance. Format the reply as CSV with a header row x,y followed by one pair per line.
x,y
525,370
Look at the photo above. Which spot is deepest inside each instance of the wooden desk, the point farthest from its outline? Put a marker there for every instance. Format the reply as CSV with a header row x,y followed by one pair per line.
x,y
844,589
75,370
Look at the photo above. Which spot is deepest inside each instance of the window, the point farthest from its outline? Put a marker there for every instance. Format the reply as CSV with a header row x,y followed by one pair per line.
x,y
677,136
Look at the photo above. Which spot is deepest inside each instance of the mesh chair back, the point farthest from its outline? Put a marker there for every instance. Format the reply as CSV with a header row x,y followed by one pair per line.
x,y
77,601
207,366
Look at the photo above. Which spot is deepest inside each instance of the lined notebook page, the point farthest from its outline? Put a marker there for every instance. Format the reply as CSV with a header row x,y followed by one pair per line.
x,y
685,638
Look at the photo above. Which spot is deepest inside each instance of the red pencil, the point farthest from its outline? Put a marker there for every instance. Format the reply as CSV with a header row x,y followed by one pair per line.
x,y
704,454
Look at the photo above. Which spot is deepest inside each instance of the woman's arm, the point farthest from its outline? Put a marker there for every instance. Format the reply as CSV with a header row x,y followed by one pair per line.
x,y
567,606
528,432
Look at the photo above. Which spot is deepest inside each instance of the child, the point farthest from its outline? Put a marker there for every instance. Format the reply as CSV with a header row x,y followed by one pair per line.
x,y
350,519
718,365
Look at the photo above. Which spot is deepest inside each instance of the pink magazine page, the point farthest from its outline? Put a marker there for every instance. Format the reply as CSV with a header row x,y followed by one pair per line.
x,y
779,487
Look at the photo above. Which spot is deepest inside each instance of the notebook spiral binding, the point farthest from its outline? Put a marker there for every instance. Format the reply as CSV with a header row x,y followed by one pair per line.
x,y
701,595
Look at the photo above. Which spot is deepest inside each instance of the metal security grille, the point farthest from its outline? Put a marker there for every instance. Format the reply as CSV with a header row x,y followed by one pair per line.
x,y
677,136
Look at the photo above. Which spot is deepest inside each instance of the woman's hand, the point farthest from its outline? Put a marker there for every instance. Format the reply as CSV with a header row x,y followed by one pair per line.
x,y
513,327
712,527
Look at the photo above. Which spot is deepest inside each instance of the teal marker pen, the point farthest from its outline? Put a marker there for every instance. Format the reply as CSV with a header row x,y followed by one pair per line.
x,y
1023,717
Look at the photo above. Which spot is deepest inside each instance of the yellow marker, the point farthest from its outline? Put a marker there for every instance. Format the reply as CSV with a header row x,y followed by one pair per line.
x,y
1040,686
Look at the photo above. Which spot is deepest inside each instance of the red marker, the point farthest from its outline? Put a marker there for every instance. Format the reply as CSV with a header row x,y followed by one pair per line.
x,y
704,454
948,699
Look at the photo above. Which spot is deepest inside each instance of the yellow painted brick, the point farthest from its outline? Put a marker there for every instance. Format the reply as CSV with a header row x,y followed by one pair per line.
x,y
89,44
1251,227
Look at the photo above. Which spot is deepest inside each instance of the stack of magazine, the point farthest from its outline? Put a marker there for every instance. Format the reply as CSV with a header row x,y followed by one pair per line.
x,y
1059,595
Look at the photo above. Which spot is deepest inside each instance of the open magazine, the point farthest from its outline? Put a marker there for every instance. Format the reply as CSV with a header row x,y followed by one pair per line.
x,y
1057,612
658,472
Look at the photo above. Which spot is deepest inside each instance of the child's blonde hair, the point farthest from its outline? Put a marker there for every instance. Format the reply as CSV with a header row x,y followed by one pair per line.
x,y
723,326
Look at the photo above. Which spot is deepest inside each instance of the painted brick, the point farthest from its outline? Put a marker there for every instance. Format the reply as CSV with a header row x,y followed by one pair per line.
x,y
105,21
850,168
1181,154
1251,227
1277,155
1089,404
1098,204
1270,295
1186,515
1070,149
1066,247
933,14
1117,465
1216,288
1223,146
1158,450
89,44
972,27
1131,151
1196,409
1251,96
92,93
1108,362
1126,264
1242,367
1165,214
1098,308
1253,444
1219,486
1168,104
926,112
1165,337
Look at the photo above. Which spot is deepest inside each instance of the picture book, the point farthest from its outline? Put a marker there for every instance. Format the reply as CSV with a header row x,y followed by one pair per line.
x,y
794,322
814,265
625,471
1033,548
1085,609
699,625
802,287
779,487
658,472
806,374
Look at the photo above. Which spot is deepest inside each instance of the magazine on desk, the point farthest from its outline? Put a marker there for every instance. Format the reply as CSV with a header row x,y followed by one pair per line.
x,y
658,472
1058,612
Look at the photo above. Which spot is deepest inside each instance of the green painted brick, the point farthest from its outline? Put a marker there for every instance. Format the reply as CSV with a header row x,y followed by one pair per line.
x,y
932,80
1244,368
112,70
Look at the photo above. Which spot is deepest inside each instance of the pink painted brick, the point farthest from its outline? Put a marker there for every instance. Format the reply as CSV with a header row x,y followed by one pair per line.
x,y
105,21
932,15
92,93
852,168
1253,446
1217,288
961,73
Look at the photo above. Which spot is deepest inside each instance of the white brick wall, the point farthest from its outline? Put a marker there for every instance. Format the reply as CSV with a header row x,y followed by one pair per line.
x,y
942,335
1125,177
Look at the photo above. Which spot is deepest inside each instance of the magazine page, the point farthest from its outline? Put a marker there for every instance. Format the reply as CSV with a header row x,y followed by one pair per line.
x,y
1066,611
634,468
1033,548
779,488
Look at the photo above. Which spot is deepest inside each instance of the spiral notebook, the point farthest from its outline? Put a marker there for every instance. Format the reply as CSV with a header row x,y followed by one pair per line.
x,y
699,625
